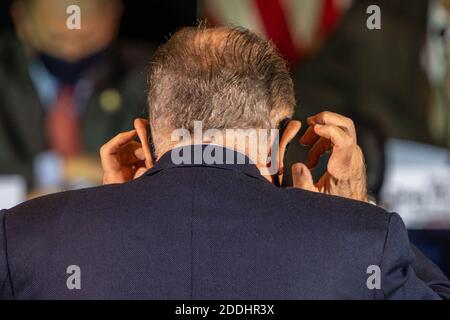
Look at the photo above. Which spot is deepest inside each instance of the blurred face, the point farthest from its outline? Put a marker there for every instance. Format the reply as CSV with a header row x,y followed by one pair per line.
x,y
42,26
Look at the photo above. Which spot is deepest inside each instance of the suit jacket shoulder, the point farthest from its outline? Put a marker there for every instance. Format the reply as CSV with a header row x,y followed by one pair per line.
x,y
213,234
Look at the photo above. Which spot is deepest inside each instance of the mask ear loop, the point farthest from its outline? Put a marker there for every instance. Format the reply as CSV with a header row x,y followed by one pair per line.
x,y
281,127
152,146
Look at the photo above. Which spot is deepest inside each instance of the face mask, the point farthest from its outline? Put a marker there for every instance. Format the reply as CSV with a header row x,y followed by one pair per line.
x,y
69,72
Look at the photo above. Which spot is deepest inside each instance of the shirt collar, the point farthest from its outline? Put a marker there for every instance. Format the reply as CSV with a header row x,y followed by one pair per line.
x,y
206,155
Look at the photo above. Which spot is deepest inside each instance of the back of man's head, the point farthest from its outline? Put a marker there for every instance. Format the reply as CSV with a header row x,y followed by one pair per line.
x,y
227,78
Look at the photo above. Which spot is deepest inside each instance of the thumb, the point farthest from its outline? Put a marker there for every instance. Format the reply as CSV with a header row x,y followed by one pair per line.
x,y
302,178
139,172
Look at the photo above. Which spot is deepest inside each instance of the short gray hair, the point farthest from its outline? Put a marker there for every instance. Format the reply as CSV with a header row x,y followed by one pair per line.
x,y
225,77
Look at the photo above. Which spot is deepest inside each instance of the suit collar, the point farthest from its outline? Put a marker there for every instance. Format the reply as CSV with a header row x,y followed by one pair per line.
x,y
206,155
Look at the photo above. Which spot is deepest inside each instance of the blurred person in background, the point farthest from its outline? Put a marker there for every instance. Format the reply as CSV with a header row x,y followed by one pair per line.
x,y
64,92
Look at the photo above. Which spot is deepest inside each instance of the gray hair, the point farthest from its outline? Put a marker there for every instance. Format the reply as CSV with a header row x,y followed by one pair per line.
x,y
225,77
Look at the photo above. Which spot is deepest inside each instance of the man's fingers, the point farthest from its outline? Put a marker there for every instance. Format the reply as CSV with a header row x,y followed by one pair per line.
x,y
108,152
114,145
320,147
302,178
128,154
309,137
139,153
336,135
327,118
331,118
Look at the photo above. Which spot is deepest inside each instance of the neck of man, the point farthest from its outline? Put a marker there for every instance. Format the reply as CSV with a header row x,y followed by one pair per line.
x,y
260,154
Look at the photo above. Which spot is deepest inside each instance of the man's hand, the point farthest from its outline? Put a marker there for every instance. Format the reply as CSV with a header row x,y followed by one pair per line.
x,y
123,158
346,171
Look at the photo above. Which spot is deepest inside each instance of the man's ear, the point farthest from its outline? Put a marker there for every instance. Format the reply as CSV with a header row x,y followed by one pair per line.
x,y
291,130
141,126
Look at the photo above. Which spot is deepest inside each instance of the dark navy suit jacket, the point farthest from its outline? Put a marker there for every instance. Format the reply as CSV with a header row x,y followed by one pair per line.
x,y
203,231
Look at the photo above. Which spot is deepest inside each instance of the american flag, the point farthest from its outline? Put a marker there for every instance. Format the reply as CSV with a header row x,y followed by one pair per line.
x,y
297,27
